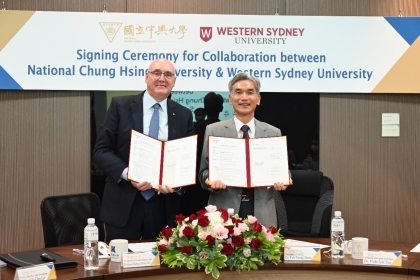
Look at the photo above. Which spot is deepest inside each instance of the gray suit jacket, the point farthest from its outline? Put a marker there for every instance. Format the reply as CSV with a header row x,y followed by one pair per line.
x,y
264,207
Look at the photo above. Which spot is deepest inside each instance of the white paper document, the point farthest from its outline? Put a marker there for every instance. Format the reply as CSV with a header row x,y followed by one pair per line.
x,y
416,249
141,247
256,162
171,163
298,243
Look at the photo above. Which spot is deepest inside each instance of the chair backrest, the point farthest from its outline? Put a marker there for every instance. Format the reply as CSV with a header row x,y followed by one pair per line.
x,y
304,209
64,218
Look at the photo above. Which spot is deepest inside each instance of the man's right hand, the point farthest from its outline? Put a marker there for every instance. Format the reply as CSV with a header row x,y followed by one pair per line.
x,y
215,185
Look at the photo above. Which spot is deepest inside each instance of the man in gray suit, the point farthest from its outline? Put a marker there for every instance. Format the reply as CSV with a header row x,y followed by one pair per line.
x,y
244,97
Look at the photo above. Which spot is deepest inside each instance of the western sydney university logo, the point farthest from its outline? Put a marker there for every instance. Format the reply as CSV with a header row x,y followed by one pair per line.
x,y
206,33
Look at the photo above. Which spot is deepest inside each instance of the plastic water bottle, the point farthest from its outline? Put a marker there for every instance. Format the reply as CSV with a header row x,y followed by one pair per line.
x,y
231,212
91,246
337,236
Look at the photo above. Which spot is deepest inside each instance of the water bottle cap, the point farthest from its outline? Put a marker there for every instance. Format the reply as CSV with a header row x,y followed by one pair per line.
x,y
91,220
337,213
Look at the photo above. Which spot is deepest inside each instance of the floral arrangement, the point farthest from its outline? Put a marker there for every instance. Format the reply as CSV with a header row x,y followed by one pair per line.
x,y
212,239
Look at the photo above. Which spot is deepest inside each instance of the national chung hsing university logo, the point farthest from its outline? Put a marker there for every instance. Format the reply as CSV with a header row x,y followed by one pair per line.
x,y
110,29
206,33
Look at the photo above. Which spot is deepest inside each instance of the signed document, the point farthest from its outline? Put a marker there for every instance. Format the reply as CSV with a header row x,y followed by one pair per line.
x,y
171,163
258,162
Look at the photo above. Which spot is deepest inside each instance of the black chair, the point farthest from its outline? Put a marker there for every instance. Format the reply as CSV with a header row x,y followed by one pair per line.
x,y
64,218
304,209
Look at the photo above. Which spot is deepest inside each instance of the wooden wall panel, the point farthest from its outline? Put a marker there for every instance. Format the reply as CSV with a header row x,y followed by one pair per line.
x,y
241,7
44,147
375,177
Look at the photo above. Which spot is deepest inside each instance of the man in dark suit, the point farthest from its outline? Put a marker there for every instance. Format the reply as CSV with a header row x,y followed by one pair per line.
x,y
127,210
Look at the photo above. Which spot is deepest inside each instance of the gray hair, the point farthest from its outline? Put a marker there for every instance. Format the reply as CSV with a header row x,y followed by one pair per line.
x,y
244,76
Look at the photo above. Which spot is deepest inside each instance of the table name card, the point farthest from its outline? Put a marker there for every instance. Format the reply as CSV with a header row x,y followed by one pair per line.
x,y
36,272
150,258
391,258
304,253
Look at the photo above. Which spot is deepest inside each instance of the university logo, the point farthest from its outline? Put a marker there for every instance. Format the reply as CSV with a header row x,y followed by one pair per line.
x,y
110,29
206,33
112,249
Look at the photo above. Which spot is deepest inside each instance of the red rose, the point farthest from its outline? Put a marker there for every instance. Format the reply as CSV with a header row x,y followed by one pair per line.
x,y
203,221
179,218
230,228
201,212
236,221
163,248
187,249
272,230
256,244
227,249
166,232
224,214
192,217
188,232
237,241
210,240
256,227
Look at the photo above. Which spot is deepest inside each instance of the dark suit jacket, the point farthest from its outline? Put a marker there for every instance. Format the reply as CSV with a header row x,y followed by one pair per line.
x,y
112,151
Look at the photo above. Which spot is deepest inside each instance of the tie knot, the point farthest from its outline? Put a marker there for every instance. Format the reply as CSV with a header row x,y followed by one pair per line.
x,y
156,106
245,128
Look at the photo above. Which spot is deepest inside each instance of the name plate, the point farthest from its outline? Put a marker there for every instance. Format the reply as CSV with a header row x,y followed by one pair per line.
x,y
391,258
38,272
304,253
150,258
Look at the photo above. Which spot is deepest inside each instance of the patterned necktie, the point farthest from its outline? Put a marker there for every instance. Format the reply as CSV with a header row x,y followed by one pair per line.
x,y
245,129
246,191
153,132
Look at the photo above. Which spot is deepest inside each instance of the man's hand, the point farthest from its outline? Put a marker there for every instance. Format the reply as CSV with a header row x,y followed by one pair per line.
x,y
215,185
164,189
280,186
142,186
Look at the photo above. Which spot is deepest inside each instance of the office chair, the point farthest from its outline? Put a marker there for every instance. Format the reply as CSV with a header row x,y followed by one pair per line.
x,y
304,209
64,218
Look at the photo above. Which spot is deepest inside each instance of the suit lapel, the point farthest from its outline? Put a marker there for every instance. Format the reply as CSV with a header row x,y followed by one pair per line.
x,y
171,120
137,111
260,130
230,130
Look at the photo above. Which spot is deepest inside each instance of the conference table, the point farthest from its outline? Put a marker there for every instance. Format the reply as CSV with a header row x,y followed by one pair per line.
x,y
346,268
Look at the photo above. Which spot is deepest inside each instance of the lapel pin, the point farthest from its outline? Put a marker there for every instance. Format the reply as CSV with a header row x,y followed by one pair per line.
x,y
173,114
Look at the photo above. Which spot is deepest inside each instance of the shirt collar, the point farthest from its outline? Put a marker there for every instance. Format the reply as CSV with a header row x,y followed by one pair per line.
x,y
149,101
239,124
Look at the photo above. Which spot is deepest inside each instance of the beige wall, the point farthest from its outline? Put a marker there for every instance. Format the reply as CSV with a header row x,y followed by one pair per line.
x,y
45,135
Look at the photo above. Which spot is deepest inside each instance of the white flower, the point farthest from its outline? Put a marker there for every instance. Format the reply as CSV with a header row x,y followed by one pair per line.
x,y
288,244
181,229
247,252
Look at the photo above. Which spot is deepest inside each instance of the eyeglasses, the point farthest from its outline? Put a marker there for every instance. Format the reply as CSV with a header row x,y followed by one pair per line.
x,y
158,74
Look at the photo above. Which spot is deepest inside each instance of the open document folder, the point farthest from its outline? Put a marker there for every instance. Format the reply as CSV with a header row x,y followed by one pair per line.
x,y
172,163
248,163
